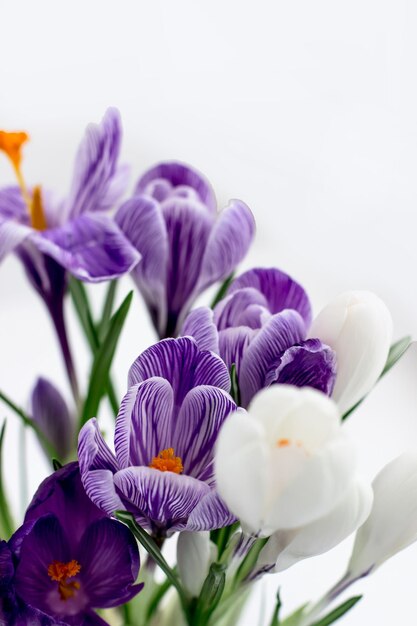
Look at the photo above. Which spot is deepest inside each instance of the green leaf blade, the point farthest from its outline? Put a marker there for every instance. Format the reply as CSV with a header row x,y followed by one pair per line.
x,y
337,613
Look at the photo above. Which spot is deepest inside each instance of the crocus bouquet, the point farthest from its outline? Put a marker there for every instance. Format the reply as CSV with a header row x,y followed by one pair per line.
x,y
230,435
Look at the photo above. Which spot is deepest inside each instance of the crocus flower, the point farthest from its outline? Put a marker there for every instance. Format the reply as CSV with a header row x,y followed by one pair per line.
x,y
392,524
69,557
185,245
195,553
75,234
285,463
261,326
50,412
358,326
166,430
286,547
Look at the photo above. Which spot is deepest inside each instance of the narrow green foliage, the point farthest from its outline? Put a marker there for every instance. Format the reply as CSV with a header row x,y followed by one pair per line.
x,y
211,594
337,613
6,520
102,361
56,464
234,390
221,537
275,621
222,290
107,309
249,562
397,350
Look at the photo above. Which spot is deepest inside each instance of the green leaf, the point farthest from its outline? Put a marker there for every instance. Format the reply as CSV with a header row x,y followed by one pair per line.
x,y
397,350
234,390
103,360
295,618
151,548
6,520
275,621
250,560
222,290
56,465
221,537
82,307
211,593
337,613
107,308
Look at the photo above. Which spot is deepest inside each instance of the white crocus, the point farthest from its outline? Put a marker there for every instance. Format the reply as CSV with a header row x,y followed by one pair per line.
x,y
195,553
287,547
392,524
358,326
286,462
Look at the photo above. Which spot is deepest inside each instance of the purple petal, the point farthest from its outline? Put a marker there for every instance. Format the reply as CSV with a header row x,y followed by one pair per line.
x,y
110,556
182,364
97,466
233,342
50,412
245,307
228,243
91,247
188,226
98,182
281,332
45,543
144,422
199,324
141,221
195,431
209,514
166,499
12,205
12,234
310,364
280,290
62,494
161,181
6,565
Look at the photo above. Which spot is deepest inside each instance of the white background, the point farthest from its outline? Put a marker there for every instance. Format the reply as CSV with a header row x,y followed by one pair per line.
x,y
306,110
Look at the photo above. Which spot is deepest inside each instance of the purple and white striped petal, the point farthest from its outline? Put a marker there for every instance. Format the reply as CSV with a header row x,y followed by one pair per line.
x,y
229,242
142,223
245,307
98,181
309,364
91,247
199,324
12,234
12,205
50,412
233,342
174,178
165,499
182,364
281,332
209,514
144,423
279,289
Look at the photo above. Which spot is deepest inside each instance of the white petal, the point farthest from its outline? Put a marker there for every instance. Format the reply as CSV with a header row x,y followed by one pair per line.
x,y
194,556
392,524
358,326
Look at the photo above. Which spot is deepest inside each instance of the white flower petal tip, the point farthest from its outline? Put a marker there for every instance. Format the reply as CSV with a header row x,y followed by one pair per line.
x,y
358,326
286,462
392,524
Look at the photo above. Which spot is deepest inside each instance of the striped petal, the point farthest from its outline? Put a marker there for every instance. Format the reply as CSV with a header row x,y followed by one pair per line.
x,y
245,307
199,324
209,514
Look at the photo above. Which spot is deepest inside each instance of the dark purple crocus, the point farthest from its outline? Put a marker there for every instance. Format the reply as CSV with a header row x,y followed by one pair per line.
x,y
73,235
186,246
166,430
51,414
261,326
68,558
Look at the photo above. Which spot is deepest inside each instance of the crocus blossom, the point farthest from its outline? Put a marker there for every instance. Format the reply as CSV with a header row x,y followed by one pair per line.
x,y
261,326
69,557
195,553
165,434
185,245
358,326
51,414
285,463
392,524
286,547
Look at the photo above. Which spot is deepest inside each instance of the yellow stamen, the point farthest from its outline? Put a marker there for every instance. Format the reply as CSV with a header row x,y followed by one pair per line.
x,y
166,461
37,213
60,572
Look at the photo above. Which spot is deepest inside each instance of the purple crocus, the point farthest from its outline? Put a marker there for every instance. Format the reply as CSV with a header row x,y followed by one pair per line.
x,y
261,327
166,430
74,234
68,558
186,245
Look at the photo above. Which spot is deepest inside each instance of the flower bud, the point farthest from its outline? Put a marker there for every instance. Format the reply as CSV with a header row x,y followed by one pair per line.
x,y
195,553
392,524
358,326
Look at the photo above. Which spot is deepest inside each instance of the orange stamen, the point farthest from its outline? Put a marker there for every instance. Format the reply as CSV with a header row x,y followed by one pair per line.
x,y
282,443
166,461
11,144
37,213
60,572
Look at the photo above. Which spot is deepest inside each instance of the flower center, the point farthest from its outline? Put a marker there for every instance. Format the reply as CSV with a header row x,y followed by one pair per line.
x,y
284,443
166,461
11,144
61,572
